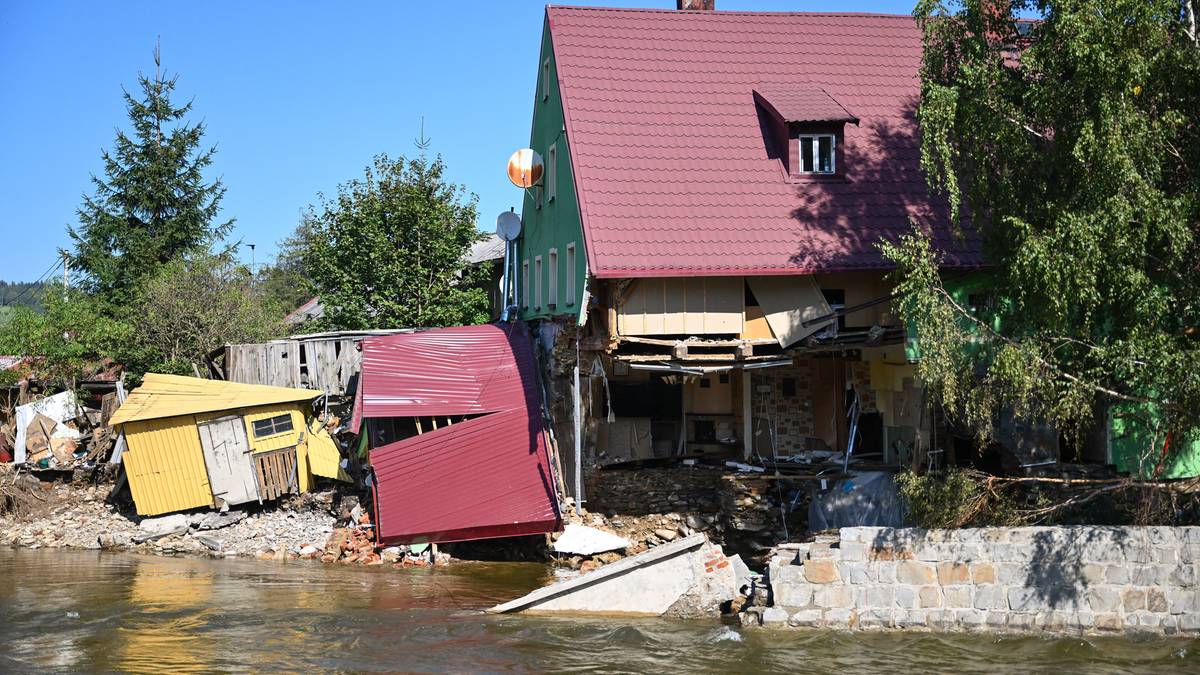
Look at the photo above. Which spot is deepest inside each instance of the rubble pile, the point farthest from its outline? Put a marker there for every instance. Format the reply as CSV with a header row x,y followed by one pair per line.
x,y
77,516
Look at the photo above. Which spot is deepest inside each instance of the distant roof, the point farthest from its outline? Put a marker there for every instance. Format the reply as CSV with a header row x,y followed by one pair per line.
x,y
172,395
313,309
673,174
490,248
803,103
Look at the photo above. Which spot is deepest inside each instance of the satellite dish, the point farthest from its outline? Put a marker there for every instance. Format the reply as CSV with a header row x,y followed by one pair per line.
x,y
525,168
508,226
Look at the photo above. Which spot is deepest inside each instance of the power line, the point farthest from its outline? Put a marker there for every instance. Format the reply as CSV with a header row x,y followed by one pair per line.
x,y
58,263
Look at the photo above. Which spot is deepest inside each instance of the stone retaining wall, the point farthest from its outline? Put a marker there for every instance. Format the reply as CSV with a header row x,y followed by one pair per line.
x,y
1051,579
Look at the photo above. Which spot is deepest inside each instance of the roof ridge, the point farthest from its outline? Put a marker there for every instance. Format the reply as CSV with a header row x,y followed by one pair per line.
x,y
712,12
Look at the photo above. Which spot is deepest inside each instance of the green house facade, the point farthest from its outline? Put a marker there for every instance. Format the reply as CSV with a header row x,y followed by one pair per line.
x,y
551,255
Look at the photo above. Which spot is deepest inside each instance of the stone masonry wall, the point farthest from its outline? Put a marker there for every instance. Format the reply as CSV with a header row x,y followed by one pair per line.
x,y
1027,579
686,489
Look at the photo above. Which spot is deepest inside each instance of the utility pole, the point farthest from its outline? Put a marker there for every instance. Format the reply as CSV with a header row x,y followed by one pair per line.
x,y
66,272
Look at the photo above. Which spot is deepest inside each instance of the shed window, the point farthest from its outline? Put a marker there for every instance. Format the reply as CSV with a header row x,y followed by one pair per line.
x,y
818,153
571,273
278,424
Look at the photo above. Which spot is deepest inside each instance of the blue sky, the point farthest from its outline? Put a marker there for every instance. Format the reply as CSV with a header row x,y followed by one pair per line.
x,y
297,97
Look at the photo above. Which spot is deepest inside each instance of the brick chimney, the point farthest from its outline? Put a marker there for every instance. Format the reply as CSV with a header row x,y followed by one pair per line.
x,y
696,5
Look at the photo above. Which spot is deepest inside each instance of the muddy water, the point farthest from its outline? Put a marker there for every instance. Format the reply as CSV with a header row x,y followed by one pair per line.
x,y
91,611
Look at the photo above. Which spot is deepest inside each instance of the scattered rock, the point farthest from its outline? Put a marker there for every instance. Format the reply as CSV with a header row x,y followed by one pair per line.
x,y
151,529
666,534
215,520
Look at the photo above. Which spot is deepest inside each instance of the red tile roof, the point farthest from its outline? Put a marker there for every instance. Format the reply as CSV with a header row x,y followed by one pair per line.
x,y
484,477
803,103
670,162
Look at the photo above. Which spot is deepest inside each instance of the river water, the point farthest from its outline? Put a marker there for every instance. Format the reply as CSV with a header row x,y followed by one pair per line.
x,y
90,611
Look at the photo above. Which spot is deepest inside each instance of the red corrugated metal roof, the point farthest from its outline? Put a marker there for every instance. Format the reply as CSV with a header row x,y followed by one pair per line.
x,y
485,477
670,161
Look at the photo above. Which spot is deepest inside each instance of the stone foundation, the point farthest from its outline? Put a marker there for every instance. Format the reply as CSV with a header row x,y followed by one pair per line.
x,y
654,490
1027,579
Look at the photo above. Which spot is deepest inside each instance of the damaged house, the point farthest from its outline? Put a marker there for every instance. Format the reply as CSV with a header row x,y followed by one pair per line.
x,y
207,443
700,259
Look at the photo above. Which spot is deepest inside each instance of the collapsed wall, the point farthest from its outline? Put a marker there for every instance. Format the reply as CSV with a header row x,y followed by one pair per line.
x,y
1026,579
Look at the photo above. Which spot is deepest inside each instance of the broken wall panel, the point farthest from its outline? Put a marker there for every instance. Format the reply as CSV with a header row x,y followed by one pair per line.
x,y
693,306
788,302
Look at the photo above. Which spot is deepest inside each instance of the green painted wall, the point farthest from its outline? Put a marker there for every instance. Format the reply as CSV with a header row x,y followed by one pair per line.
x,y
555,224
1130,436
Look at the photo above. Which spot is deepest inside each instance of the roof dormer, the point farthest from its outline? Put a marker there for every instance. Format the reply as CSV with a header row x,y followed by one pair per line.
x,y
805,126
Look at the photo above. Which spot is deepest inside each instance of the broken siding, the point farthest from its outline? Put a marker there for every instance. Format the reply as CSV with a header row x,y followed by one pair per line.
x,y
325,364
787,303
165,465
693,306
273,363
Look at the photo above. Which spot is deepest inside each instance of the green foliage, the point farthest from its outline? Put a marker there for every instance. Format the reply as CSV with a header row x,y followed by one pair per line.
x,y
67,339
194,305
153,203
1078,168
19,293
286,282
389,250
952,499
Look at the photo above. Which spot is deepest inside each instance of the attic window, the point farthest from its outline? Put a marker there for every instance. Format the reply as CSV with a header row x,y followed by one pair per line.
x,y
818,153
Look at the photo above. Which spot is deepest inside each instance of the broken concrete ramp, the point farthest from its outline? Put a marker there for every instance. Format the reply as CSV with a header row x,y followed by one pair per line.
x,y
686,578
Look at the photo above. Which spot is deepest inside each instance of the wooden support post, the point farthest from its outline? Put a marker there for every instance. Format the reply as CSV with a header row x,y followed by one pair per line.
x,y
747,415
419,429
433,421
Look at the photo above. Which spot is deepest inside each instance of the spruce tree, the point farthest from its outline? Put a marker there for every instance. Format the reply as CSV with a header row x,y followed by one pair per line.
x,y
152,204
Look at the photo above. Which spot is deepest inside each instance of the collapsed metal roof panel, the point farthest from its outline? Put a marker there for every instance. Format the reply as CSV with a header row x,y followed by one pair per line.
x,y
464,370
479,479
485,477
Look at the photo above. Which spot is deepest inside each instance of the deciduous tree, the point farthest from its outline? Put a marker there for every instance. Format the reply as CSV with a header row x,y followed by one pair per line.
x,y
1072,148
389,250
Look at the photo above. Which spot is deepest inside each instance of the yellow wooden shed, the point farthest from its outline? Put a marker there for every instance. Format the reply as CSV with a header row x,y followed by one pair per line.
x,y
194,442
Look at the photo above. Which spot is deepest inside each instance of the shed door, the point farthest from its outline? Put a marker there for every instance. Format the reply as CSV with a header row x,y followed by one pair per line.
x,y
227,456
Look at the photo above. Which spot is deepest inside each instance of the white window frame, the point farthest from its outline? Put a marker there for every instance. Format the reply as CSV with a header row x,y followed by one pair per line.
x,y
551,172
552,279
546,80
571,273
815,145
525,283
537,282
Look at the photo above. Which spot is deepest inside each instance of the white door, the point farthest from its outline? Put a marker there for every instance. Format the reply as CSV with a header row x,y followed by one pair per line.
x,y
227,456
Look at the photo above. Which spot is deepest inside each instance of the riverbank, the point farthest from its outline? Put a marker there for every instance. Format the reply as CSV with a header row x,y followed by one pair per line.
x,y
65,515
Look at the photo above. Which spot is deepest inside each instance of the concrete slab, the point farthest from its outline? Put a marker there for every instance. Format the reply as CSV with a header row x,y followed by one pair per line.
x,y
645,584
